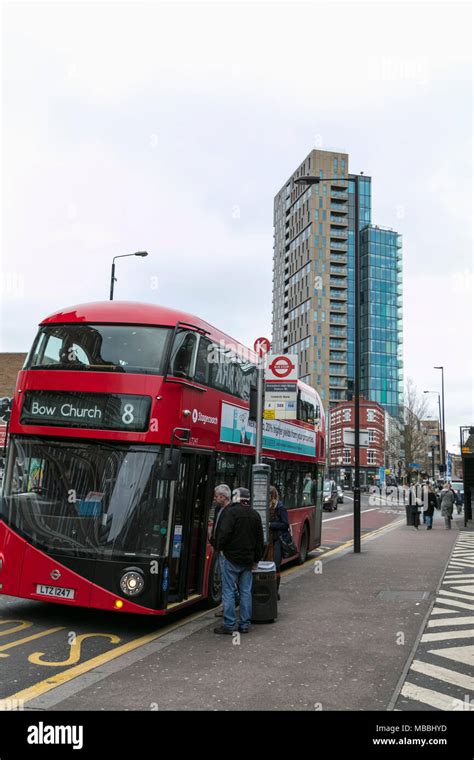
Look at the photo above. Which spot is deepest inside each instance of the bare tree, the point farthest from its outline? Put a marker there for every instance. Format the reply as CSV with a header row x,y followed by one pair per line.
x,y
415,439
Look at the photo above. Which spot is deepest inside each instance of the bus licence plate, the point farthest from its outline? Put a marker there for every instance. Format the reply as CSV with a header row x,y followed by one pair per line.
x,y
64,593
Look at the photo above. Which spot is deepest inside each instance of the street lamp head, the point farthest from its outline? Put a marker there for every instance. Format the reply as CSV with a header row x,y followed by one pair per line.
x,y
308,180
141,253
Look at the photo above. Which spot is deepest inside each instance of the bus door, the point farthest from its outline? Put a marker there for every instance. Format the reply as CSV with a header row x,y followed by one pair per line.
x,y
193,497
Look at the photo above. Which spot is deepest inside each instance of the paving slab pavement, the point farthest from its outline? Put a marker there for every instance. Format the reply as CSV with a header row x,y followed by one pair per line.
x,y
344,640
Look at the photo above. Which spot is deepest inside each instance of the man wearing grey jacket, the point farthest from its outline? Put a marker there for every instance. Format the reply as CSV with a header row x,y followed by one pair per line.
x,y
447,504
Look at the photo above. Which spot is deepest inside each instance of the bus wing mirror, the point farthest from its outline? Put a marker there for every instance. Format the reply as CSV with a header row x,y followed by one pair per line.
x,y
171,462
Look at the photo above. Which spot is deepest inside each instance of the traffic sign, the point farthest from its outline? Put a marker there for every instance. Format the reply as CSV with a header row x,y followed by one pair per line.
x,y
282,367
261,346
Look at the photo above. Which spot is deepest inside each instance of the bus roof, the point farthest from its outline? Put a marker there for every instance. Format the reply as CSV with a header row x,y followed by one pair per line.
x,y
136,313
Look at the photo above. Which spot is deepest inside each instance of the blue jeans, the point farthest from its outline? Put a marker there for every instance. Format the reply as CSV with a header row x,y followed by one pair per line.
x,y
232,576
236,588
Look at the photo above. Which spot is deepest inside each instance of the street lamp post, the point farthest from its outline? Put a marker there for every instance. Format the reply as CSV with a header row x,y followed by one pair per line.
x,y
308,180
444,422
113,279
441,457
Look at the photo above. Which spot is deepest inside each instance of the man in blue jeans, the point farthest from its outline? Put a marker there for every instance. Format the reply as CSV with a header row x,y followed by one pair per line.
x,y
240,539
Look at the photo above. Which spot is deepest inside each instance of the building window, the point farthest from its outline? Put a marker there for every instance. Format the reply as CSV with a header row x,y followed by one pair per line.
x,y
346,457
370,415
370,456
346,415
372,436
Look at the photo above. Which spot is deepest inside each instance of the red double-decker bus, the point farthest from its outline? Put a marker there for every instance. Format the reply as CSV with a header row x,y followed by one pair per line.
x,y
125,417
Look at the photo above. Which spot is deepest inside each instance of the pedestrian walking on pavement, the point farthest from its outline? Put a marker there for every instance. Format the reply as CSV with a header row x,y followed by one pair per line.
x,y
412,503
432,505
240,539
447,504
278,525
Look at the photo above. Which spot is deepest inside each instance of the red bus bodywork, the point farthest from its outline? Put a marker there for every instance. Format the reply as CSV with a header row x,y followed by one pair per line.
x,y
175,403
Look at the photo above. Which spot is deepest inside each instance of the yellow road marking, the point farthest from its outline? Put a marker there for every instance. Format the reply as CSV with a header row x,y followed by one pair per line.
x,y
27,639
75,650
31,692
22,625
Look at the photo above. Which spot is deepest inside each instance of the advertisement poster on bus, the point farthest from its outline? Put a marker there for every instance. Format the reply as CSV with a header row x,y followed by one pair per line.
x,y
277,435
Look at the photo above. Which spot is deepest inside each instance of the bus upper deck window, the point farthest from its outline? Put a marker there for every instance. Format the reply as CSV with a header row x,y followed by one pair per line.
x,y
182,357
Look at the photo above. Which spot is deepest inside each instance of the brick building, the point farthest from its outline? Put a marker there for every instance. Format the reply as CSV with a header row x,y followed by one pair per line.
x,y
372,449
10,365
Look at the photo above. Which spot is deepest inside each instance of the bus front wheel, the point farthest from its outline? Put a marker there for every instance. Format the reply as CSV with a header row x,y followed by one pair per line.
x,y
303,546
214,592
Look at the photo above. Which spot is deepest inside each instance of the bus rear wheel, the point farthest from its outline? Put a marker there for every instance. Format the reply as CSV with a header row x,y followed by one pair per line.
x,y
302,556
214,592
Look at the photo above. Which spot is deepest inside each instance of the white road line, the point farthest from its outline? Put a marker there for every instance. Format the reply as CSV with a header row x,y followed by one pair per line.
x,y
470,589
464,597
429,697
453,581
458,654
461,563
448,635
469,620
348,514
455,603
455,576
443,674
441,611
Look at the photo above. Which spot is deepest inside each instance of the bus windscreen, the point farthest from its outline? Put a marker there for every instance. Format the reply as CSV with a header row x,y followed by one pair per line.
x,y
101,348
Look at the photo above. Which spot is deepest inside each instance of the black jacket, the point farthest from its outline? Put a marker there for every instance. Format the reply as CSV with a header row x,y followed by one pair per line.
x,y
216,524
240,535
281,523
432,504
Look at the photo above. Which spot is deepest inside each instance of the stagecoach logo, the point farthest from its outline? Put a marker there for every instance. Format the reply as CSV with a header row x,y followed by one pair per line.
x,y
204,418
55,574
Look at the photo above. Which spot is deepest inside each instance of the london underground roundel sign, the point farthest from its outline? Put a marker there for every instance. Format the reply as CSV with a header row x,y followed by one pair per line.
x,y
282,367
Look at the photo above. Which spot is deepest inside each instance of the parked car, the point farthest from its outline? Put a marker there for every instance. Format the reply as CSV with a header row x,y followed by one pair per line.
x,y
329,495
340,495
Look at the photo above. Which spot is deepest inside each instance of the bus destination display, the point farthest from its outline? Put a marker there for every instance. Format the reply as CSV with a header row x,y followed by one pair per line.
x,y
105,411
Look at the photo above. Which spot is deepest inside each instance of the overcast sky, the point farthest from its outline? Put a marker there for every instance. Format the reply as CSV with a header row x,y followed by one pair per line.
x,y
170,127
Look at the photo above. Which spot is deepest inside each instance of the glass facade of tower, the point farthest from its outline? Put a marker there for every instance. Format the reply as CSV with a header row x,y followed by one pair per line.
x,y
381,318
365,209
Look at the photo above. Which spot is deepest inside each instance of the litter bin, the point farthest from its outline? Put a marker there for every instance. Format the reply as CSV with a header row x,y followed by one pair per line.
x,y
264,593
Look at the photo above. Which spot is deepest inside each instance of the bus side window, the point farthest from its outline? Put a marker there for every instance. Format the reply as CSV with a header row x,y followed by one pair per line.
x,y
183,353
202,371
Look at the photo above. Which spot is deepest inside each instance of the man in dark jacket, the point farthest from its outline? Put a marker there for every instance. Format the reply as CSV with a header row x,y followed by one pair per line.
x,y
222,499
222,495
240,539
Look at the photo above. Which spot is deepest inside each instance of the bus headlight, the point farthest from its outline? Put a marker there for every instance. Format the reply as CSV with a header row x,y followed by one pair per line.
x,y
132,582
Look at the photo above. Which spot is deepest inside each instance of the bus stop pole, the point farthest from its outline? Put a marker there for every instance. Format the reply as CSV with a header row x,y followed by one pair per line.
x,y
258,442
